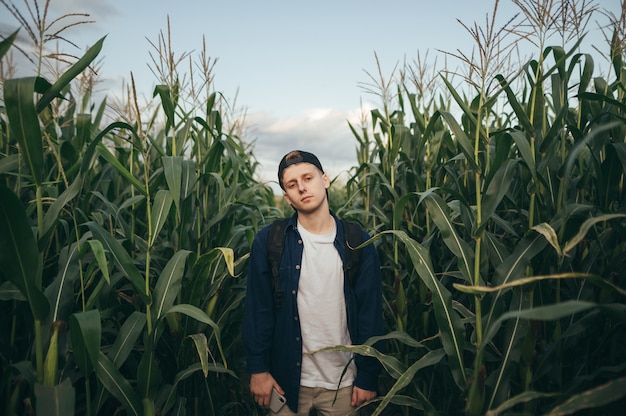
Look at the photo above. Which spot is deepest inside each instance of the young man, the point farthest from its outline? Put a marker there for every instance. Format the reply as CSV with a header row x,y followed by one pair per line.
x,y
313,307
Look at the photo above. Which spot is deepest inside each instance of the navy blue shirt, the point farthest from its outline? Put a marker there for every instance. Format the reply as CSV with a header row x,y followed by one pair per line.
x,y
271,330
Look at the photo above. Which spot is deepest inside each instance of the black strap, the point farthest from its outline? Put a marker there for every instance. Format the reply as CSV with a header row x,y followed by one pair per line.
x,y
275,242
354,238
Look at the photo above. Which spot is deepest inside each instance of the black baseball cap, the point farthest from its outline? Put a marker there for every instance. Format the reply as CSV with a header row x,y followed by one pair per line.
x,y
296,156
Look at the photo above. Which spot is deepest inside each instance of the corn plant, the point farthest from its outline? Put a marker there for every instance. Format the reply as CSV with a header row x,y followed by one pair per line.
x,y
121,249
510,219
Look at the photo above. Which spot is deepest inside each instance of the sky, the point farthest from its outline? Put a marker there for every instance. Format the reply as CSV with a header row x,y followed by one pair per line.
x,y
296,68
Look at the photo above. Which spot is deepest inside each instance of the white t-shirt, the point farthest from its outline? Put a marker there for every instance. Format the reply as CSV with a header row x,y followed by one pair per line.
x,y
322,311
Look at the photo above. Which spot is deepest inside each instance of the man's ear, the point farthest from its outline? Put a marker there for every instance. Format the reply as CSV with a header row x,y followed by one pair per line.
x,y
326,180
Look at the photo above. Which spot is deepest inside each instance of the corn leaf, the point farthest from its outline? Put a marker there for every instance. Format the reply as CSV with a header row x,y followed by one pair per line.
x,y
440,214
108,156
592,398
85,332
61,291
55,400
5,44
200,316
450,324
540,313
98,251
202,348
168,286
122,259
127,338
160,210
72,72
431,358
24,122
173,169
19,255
52,215
584,228
113,380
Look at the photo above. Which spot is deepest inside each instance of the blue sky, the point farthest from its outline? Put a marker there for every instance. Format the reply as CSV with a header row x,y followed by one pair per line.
x,y
296,67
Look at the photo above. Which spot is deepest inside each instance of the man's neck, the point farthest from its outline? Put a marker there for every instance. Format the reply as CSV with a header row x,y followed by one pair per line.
x,y
319,222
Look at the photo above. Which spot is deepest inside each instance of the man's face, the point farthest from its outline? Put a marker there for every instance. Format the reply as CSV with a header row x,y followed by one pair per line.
x,y
305,187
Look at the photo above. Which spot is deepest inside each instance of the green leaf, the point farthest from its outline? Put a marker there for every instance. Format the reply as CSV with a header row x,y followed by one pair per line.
x,y
540,313
440,215
160,210
98,251
108,156
60,292
8,291
592,398
72,72
392,365
9,163
513,266
122,259
57,206
521,398
430,359
168,286
450,324
190,178
164,92
202,348
55,400
19,256
6,43
515,105
186,373
584,228
172,168
126,338
498,187
200,316
24,122
466,146
117,385
85,332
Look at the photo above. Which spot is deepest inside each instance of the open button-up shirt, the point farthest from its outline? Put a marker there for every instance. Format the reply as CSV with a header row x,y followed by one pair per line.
x,y
271,328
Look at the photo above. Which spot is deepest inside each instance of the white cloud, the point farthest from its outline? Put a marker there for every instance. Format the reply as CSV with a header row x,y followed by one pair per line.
x,y
324,132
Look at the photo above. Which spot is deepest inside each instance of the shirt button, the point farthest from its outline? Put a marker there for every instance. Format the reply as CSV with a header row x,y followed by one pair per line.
x,y
295,318
299,241
297,364
298,267
298,339
293,292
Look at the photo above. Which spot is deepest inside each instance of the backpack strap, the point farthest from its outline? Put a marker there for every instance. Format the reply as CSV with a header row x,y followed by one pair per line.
x,y
354,238
276,239
275,243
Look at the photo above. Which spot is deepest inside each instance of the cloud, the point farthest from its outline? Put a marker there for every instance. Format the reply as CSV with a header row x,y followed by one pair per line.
x,y
324,132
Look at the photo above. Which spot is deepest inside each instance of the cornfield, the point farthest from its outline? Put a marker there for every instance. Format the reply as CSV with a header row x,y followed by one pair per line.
x,y
495,197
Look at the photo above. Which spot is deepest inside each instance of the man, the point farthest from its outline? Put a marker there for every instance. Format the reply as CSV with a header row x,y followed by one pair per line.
x,y
317,307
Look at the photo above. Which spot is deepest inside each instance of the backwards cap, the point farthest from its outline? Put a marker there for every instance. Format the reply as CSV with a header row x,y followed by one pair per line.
x,y
296,156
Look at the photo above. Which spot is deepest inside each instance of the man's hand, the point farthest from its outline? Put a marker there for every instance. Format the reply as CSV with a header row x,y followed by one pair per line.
x,y
261,385
360,396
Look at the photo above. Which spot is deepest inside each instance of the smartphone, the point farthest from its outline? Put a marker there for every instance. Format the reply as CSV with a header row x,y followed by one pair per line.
x,y
277,401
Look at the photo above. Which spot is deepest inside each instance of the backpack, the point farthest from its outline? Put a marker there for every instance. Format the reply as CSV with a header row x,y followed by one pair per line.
x,y
275,242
